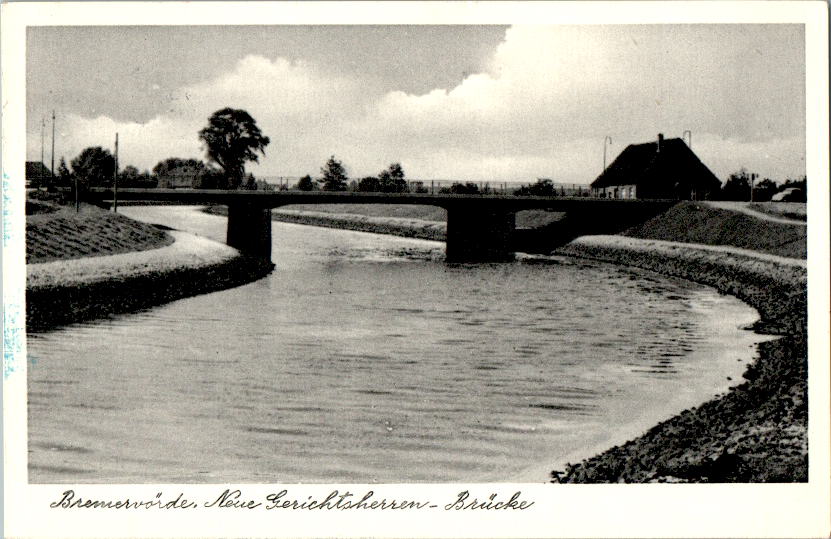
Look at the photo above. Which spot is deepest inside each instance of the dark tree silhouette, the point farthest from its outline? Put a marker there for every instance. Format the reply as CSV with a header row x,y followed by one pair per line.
x,y
64,176
543,187
764,190
172,164
333,175
94,167
737,186
369,184
306,183
392,180
231,138
468,188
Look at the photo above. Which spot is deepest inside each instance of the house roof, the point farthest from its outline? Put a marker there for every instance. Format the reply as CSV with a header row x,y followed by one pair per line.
x,y
36,169
642,164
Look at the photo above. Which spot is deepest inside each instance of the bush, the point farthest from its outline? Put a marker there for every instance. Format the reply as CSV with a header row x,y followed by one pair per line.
x,y
543,187
468,188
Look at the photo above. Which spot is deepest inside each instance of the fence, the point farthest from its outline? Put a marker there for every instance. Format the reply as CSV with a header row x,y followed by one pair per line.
x,y
289,183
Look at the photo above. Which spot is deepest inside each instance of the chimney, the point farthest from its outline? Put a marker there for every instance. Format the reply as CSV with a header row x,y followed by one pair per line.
x,y
660,141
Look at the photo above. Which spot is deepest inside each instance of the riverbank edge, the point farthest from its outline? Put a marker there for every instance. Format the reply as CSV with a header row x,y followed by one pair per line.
x,y
756,431
51,307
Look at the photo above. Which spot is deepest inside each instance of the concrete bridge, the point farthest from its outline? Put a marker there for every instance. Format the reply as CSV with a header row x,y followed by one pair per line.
x,y
480,228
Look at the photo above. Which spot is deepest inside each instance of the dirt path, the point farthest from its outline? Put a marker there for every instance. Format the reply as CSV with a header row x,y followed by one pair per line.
x,y
743,207
639,244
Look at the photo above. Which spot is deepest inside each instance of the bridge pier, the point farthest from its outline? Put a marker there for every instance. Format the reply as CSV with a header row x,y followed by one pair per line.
x,y
249,229
476,235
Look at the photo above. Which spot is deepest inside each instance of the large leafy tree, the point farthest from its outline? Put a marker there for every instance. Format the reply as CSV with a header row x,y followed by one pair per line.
x,y
333,175
94,167
231,138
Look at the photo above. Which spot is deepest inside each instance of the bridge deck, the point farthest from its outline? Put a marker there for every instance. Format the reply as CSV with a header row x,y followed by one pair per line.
x,y
273,199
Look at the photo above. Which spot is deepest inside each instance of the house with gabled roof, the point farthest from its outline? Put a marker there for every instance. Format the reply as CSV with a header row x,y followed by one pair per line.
x,y
664,169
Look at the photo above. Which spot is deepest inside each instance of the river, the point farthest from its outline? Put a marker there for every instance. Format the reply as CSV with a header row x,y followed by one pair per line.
x,y
365,358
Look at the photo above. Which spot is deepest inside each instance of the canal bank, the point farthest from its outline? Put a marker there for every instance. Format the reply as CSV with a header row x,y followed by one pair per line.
x,y
93,264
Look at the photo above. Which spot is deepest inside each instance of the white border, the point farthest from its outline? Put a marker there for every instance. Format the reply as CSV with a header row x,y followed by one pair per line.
x,y
559,510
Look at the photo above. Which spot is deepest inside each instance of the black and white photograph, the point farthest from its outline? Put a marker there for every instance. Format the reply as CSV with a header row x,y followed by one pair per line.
x,y
303,263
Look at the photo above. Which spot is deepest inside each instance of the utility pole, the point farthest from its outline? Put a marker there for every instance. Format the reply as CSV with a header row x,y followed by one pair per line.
x,y
115,177
604,150
52,168
40,168
752,182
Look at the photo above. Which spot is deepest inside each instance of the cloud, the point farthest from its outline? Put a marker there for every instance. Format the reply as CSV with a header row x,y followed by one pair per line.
x,y
541,109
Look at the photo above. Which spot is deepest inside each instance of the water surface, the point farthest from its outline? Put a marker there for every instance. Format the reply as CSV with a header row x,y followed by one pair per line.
x,y
365,358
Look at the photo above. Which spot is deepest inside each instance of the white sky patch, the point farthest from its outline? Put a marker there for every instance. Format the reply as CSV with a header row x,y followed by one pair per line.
x,y
541,109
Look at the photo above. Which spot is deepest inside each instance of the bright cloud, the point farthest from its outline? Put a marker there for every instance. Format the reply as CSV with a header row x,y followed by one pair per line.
x,y
550,96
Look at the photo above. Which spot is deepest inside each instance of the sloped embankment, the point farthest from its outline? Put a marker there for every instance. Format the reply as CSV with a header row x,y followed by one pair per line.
x,y
93,264
694,222
59,233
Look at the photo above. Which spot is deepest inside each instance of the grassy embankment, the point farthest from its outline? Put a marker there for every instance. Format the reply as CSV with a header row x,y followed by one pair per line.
x,y
690,222
757,431
55,232
94,263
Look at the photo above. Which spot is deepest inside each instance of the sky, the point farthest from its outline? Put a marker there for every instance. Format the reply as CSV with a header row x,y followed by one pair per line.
x,y
467,103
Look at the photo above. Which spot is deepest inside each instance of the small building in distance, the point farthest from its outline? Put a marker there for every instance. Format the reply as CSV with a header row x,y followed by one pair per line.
x,y
665,169
37,174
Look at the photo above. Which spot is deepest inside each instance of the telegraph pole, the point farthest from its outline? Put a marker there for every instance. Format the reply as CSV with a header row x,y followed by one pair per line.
x,y
115,177
40,168
604,150
52,168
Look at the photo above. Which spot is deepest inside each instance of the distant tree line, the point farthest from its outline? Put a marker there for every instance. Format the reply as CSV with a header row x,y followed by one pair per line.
x,y
738,186
232,138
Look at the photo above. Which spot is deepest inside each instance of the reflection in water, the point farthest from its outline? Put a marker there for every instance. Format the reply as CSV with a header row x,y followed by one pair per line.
x,y
365,358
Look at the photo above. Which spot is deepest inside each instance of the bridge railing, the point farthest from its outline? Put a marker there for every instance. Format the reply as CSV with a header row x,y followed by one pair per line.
x,y
444,186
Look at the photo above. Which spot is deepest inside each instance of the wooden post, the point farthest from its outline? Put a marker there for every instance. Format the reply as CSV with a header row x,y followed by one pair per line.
x,y
52,168
115,177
